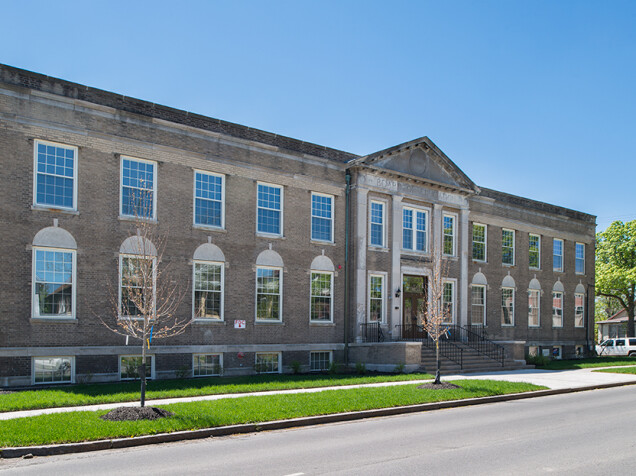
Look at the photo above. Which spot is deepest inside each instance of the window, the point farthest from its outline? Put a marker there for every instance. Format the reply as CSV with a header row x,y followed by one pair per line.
x,y
507,306
138,187
508,247
129,366
321,217
321,302
136,285
55,171
533,351
534,251
268,294
269,209
449,235
53,283
578,351
579,258
557,352
53,369
557,309
479,242
376,219
414,229
478,305
448,302
208,290
209,199
267,362
578,309
533,308
205,365
376,298
319,361
557,255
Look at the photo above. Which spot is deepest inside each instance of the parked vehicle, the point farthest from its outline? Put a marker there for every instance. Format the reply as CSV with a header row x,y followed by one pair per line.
x,y
625,346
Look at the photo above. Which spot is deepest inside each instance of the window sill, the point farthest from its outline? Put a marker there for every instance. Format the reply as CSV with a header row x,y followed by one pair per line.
x,y
68,320
380,249
559,271
322,243
506,265
134,219
480,261
269,237
273,323
507,325
216,229
44,208
579,274
534,269
321,324
206,322
424,254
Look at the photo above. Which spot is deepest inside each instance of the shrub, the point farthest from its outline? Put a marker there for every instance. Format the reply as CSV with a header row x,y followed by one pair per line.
x,y
361,369
295,365
399,368
538,360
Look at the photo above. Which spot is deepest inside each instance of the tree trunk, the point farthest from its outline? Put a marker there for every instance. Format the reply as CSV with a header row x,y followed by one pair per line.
x,y
437,374
142,372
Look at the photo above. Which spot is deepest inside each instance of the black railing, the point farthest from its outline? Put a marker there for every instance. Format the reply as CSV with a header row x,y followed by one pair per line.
x,y
447,348
371,332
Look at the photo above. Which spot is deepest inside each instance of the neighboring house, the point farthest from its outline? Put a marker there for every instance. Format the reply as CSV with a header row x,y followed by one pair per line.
x,y
257,225
614,326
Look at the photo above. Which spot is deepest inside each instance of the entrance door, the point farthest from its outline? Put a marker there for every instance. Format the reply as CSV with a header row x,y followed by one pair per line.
x,y
414,306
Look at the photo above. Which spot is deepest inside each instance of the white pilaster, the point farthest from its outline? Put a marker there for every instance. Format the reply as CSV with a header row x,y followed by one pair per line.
x,y
361,260
395,312
463,262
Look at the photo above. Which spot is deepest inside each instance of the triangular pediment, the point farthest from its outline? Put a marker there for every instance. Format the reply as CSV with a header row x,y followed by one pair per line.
x,y
421,159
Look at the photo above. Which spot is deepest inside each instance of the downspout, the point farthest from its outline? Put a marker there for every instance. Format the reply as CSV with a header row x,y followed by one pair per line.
x,y
346,293
590,325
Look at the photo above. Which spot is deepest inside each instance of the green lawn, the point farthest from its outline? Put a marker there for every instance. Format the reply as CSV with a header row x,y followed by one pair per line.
x,y
623,370
588,363
74,395
86,426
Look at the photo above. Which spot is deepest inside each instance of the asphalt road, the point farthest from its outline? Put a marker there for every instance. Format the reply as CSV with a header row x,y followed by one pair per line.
x,y
583,433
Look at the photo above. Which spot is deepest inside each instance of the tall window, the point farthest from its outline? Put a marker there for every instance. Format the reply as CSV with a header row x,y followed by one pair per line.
x,y
557,309
268,294
448,302
321,217
376,219
508,246
579,258
55,175
533,308
449,235
209,199
534,251
137,285
414,229
53,278
270,206
208,290
479,242
557,255
376,298
579,300
478,305
321,298
507,306
138,186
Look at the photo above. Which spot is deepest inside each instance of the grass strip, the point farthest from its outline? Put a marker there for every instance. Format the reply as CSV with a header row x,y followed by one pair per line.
x,y
622,370
89,394
588,363
87,426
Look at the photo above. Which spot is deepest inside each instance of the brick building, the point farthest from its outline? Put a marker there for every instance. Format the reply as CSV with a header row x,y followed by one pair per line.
x,y
294,253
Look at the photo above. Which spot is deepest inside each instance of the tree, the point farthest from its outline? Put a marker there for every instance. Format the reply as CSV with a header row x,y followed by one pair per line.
x,y
616,266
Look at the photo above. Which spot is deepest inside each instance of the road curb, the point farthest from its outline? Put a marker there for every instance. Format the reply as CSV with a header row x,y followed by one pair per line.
x,y
67,448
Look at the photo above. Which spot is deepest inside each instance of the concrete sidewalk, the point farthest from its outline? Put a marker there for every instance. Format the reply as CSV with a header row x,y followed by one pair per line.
x,y
553,379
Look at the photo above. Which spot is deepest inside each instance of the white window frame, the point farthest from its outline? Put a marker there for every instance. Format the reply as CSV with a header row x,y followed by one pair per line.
x,y
279,364
538,251
281,211
514,239
154,282
216,354
538,324
512,316
453,216
148,356
559,356
413,231
485,242
194,200
222,303
280,295
558,270
383,204
154,187
37,142
582,296
331,219
453,283
35,313
582,260
71,358
311,296
330,353
382,276
483,312
555,309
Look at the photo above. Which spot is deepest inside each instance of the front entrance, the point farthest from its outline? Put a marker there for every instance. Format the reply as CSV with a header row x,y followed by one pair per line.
x,y
414,305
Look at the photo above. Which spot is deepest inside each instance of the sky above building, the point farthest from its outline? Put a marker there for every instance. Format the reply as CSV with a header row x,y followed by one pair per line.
x,y
534,98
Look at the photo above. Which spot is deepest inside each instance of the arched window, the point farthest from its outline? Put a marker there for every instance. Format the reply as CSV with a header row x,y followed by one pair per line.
x,y
534,301
508,289
321,290
269,287
54,268
137,276
478,300
208,283
579,305
557,304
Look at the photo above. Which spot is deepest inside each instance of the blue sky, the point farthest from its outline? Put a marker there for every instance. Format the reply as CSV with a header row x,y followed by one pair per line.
x,y
535,98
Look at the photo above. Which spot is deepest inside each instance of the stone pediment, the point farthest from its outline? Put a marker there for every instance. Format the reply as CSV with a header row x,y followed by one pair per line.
x,y
421,159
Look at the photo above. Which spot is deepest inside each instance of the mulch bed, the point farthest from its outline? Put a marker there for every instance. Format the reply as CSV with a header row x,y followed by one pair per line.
x,y
438,386
136,413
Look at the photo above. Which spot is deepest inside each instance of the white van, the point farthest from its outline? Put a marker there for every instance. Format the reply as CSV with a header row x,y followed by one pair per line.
x,y
625,346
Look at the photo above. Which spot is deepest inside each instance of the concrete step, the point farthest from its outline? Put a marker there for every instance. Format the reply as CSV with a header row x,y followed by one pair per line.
x,y
472,361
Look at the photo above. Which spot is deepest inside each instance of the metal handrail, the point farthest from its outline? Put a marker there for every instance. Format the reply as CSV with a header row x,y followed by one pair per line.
x,y
416,333
477,340
371,332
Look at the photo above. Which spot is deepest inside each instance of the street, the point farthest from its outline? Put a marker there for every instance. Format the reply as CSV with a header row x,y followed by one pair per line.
x,y
589,432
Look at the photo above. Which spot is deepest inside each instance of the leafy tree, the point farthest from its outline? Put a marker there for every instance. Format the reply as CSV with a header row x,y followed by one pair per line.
x,y
616,266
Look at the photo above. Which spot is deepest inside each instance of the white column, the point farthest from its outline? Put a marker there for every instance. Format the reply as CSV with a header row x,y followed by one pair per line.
x,y
360,241
436,232
395,313
463,261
